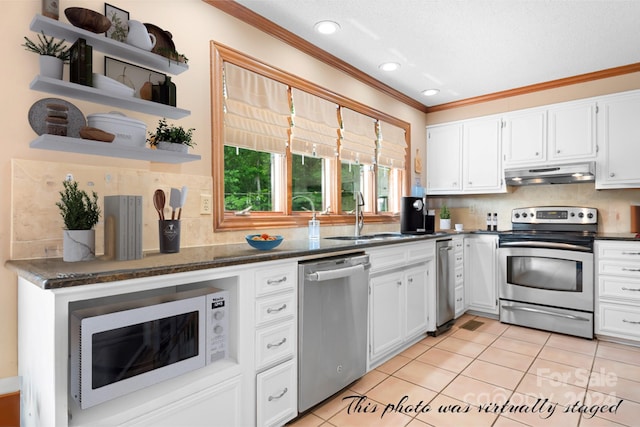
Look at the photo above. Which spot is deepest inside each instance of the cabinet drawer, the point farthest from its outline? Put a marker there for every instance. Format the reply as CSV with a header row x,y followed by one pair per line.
x,y
619,319
387,258
459,300
458,245
459,275
619,268
420,251
276,392
619,287
275,343
275,279
619,251
273,308
459,259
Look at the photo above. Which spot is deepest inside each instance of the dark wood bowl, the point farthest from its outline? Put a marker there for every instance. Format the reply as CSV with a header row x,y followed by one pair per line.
x,y
87,19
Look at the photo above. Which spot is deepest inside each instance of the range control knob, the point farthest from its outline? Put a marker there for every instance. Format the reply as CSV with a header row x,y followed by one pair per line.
x,y
572,214
590,215
524,214
581,215
517,215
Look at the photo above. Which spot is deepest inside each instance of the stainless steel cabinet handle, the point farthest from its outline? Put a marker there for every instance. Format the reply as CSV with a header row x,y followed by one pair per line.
x,y
284,340
630,253
277,281
631,289
276,310
635,270
276,397
630,321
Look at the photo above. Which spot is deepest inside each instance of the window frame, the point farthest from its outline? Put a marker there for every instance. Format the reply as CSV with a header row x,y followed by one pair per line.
x,y
223,221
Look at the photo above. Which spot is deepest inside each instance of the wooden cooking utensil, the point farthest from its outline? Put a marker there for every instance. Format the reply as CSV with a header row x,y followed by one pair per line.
x,y
159,200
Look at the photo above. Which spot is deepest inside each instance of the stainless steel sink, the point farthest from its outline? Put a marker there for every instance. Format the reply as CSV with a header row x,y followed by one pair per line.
x,y
376,236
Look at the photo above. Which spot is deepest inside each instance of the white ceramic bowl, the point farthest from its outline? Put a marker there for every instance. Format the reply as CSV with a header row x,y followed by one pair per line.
x,y
128,131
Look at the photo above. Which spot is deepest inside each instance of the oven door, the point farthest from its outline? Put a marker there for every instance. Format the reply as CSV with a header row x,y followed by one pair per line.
x,y
550,277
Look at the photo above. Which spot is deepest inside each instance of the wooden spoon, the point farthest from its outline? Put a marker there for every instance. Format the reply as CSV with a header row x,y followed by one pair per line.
x,y
159,199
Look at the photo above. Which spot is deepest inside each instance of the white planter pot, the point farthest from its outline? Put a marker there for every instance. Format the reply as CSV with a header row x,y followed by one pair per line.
x,y
50,66
78,245
180,148
445,224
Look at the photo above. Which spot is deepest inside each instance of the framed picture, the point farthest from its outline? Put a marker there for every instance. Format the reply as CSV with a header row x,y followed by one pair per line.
x,y
119,22
131,75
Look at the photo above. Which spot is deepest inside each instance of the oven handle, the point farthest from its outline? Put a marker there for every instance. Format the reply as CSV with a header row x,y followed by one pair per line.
x,y
549,245
537,310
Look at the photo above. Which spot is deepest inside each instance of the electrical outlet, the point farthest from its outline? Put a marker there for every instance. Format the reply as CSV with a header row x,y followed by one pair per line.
x,y
472,208
205,204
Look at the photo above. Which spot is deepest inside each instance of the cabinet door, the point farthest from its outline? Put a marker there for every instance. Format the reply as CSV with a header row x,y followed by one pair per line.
x,y
416,279
524,137
444,159
480,273
386,306
619,141
572,131
482,162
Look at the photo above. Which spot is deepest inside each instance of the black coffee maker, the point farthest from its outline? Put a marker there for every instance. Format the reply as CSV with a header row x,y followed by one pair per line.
x,y
414,216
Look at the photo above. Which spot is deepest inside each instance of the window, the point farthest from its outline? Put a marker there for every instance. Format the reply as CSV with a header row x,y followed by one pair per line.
x,y
282,147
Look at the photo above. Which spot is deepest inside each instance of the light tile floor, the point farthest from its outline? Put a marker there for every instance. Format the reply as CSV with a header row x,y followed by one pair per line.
x,y
498,375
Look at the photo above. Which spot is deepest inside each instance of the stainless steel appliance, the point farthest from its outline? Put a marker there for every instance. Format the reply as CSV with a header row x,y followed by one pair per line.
x,y
415,217
546,269
332,325
445,279
555,174
122,347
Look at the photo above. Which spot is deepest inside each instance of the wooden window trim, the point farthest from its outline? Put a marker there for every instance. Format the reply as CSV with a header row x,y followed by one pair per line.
x,y
260,220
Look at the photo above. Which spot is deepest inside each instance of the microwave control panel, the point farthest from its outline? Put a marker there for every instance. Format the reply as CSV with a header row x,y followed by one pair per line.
x,y
217,320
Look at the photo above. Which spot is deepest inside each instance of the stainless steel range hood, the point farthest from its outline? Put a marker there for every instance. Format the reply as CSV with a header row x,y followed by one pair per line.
x,y
553,174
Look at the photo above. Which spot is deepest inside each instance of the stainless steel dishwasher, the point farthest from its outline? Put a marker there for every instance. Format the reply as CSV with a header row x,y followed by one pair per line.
x,y
445,288
332,325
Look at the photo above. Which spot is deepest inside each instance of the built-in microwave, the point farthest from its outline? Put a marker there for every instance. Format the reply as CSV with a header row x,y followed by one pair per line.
x,y
122,347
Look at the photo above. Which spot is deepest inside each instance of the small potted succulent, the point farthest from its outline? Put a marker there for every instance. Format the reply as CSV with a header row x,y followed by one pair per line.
x,y
80,214
445,218
171,137
53,55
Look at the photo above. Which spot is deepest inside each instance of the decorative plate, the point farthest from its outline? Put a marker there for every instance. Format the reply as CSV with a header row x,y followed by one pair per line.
x,y
38,113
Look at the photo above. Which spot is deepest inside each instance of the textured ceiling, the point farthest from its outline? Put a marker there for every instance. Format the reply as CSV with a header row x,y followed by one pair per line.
x,y
467,48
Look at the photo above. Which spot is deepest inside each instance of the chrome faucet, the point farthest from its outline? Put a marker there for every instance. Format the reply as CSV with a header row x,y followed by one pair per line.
x,y
359,213
313,208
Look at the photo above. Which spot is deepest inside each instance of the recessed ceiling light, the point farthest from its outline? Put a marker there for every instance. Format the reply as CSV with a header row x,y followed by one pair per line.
x,y
389,66
430,92
327,27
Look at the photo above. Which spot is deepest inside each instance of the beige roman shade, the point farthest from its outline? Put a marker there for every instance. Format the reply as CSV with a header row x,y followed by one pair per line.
x,y
315,125
257,111
358,143
392,146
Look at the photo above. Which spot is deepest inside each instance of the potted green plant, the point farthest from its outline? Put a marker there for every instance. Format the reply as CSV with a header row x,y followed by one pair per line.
x,y
80,213
53,54
171,137
445,218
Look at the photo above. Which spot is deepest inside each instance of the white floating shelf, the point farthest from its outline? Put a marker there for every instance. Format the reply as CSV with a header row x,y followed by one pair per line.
x,y
97,148
106,45
88,93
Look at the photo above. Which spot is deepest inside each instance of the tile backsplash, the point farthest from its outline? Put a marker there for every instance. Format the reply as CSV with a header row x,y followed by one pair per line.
x,y
37,225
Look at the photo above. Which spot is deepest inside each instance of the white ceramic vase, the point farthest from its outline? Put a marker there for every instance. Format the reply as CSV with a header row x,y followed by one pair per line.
x,y
50,66
445,224
169,146
78,245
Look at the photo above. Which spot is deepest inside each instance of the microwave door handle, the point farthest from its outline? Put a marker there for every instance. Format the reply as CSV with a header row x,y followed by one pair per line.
x,y
539,311
546,245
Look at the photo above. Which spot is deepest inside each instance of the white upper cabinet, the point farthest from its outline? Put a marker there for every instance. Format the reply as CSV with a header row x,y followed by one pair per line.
x,y
444,159
481,164
465,157
558,133
525,137
619,140
572,131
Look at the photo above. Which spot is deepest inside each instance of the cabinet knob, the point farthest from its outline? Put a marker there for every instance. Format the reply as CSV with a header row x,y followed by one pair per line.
x,y
558,151
470,183
537,154
398,283
611,175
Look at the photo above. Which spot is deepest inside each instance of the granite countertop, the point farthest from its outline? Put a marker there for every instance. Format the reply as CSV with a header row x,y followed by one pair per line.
x,y
53,273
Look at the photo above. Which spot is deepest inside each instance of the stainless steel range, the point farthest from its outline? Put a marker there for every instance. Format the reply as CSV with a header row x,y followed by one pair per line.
x,y
546,269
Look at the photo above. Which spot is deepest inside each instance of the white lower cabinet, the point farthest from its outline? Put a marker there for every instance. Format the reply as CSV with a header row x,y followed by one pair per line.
x,y
217,406
277,391
481,278
459,294
399,296
618,292
276,336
